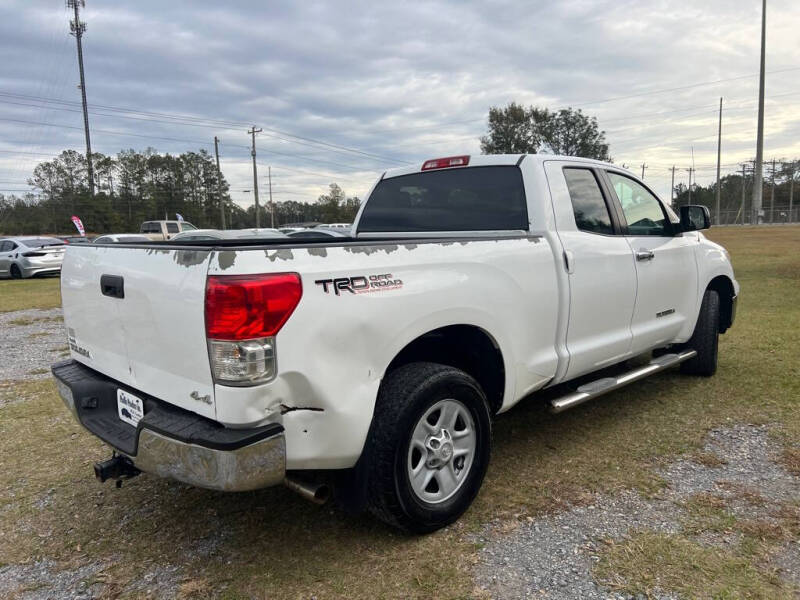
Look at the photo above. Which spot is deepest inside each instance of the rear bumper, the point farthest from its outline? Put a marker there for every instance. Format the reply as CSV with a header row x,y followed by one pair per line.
x,y
31,270
171,442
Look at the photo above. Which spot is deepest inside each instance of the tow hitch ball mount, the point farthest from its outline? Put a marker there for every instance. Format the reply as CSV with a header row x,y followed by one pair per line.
x,y
117,467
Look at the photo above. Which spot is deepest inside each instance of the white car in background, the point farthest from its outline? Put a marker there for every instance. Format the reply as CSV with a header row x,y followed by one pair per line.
x,y
23,257
121,238
226,234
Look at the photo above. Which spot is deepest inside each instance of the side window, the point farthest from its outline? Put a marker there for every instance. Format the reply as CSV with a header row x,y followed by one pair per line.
x,y
588,204
145,228
5,246
642,210
172,228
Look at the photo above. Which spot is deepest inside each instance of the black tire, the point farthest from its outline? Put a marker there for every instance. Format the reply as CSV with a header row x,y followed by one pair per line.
x,y
705,339
405,395
15,272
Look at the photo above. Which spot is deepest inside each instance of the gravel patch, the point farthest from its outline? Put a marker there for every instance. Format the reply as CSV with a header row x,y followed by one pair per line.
x,y
552,557
32,340
43,581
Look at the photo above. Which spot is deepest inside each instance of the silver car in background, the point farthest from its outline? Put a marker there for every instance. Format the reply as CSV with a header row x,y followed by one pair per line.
x,y
28,256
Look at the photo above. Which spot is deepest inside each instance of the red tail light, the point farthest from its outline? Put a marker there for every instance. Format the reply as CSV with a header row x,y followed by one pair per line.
x,y
445,163
242,307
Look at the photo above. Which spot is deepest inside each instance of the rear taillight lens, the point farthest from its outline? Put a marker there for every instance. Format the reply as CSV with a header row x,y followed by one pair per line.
x,y
34,253
242,307
243,315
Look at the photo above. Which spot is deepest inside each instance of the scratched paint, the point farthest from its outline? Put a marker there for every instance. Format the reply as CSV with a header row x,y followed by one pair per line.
x,y
284,254
321,252
387,248
226,258
190,258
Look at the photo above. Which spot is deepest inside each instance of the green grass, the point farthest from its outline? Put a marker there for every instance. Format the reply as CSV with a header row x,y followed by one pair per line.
x,y
21,294
649,561
270,543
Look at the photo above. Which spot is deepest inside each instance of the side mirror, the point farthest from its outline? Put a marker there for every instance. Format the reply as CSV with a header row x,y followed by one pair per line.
x,y
695,217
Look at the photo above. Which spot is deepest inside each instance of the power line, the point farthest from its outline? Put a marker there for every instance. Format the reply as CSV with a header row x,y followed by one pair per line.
x,y
201,142
682,87
204,122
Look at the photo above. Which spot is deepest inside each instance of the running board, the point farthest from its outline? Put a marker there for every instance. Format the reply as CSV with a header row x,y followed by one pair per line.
x,y
593,389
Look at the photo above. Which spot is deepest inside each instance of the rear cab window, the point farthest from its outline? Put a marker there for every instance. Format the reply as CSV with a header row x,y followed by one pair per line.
x,y
588,203
490,198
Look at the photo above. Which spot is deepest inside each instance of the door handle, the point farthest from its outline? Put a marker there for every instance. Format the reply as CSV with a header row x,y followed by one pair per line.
x,y
112,286
645,255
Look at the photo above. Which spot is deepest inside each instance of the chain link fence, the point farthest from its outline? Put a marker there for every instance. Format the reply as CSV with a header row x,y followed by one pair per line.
x,y
776,216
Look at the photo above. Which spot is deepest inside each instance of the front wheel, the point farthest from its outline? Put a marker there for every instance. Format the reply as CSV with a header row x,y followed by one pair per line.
x,y
428,447
705,339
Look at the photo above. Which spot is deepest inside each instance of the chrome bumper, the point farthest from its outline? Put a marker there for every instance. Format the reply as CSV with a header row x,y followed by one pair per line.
x,y
257,465
251,467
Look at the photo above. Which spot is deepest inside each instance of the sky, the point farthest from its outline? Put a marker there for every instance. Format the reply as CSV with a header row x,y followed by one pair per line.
x,y
345,90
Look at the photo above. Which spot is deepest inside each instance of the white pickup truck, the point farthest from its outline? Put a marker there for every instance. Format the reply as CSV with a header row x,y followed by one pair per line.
x,y
372,366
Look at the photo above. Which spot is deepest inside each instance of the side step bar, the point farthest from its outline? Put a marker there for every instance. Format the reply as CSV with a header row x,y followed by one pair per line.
x,y
593,389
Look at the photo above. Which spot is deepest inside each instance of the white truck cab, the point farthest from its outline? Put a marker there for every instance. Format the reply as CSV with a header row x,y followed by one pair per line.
x,y
373,363
164,230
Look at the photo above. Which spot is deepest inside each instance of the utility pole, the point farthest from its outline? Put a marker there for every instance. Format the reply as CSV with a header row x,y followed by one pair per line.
x,y
672,188
78,28
691,170
744,175
219,185
772,195
758,168
253,133
644,166
271,205
791,193
719,158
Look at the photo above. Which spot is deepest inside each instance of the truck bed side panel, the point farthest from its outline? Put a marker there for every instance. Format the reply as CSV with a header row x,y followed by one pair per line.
x,y
334,350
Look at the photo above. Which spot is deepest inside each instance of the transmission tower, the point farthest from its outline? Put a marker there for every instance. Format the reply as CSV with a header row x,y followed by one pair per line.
x,y
78,28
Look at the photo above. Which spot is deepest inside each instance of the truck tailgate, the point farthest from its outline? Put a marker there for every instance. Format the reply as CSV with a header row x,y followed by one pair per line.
x,y
144,325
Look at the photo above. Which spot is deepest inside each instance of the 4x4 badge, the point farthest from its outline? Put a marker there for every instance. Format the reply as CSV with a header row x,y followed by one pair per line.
x,y
196,396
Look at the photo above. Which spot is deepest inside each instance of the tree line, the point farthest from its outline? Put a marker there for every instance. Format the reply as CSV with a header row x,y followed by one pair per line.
x,y
736,207
133,187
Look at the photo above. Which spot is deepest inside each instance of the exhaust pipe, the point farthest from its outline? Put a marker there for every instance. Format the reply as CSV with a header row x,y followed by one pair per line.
x,y
117,467
318,493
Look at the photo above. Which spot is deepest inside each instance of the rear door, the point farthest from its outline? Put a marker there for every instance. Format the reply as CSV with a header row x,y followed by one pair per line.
x,y
5,256
599,261
666,269
146,326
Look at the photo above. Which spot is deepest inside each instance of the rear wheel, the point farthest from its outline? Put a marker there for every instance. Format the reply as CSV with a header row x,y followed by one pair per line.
x,y
16,273
705,339
428,447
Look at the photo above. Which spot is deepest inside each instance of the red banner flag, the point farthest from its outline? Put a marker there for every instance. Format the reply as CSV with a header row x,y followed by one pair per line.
x,y
78,225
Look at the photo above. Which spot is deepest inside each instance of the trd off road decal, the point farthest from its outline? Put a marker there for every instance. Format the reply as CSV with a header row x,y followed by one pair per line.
x,y
360,284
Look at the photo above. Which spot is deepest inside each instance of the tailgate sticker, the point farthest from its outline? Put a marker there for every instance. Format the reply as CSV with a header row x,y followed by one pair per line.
x,y
74,346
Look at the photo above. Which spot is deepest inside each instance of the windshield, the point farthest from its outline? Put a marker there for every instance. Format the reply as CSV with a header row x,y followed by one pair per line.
x,y
466,199
39,242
